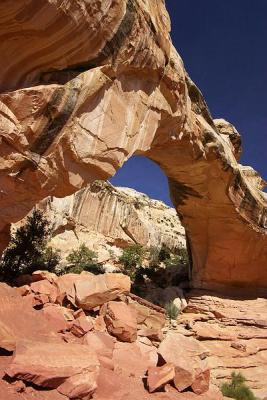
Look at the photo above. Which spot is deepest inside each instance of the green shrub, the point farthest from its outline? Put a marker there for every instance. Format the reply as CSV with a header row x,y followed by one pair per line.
x,y
131,259
83,259
28,249
237,389
50,259
171,310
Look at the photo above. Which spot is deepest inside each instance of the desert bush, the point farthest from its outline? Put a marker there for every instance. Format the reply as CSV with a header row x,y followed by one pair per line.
x,y
83,259
50,259
131,259
28,248
237,389
171,310
179,257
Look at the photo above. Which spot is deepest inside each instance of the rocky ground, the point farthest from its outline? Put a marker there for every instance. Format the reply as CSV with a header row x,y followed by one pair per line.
x,y
86,336
234,330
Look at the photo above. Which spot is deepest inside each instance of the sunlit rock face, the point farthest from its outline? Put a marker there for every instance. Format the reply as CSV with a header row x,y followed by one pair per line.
x,y
85,85
108,219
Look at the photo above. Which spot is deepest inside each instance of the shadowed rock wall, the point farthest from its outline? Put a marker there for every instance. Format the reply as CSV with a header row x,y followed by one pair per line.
x,y
84,86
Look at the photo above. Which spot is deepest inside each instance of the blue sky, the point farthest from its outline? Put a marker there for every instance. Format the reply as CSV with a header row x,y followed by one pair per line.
x,y
224,48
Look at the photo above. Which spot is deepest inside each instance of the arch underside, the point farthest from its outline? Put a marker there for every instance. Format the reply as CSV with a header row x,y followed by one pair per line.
x,y
84,86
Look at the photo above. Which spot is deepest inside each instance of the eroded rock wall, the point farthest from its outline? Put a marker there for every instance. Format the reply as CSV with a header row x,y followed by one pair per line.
x,y
107,219
85,85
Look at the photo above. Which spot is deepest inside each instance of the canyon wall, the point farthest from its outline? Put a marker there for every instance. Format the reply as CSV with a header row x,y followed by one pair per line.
x,y
84,86
108,219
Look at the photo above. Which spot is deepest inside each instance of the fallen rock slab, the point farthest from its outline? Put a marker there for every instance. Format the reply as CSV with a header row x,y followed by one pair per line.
x,y
18,320
81,326
96,290
120,321
201,382
131,360
44,275
49,365
65,285
103,344
59,316
187,355
158,377
44,287
80,386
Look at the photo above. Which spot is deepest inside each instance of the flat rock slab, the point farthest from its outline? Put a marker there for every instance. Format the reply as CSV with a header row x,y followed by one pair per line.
x,y
187,355
94,291
50,364
233,329
18,320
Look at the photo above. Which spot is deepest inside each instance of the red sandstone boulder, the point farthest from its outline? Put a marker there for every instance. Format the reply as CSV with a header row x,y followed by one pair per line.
x,y
153,334
120,321
24,290
10,392
65,286
148,351
158,377
18,320
150,322
81,326
80,386
96,290
187,354
49,365
60,317
103,344
40,275
45,288
130,360
99,324
201,382
114,386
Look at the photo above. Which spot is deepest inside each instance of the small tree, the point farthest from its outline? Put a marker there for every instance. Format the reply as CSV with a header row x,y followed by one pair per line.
x,y
50,259
28,248
83,259
131,259
237,389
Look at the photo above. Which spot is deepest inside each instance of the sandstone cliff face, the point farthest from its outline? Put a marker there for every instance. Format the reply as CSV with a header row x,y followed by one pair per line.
x,y
108,218
84,86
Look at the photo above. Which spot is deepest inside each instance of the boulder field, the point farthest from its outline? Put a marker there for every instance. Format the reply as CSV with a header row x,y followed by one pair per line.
x,y
87,337
79,334
84,85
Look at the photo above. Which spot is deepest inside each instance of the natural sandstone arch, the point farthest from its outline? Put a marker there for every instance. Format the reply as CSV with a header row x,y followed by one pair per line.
x,y
85,85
